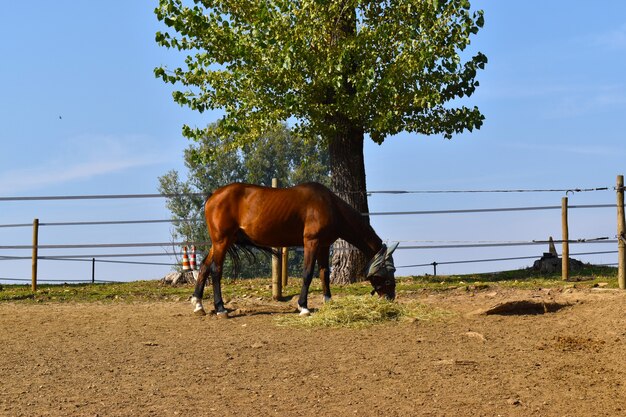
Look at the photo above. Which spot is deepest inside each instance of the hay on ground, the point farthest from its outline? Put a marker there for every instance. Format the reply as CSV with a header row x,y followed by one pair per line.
x,y
362,311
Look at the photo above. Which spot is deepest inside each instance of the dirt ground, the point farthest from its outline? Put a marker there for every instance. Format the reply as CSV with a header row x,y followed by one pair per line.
x,y
157,359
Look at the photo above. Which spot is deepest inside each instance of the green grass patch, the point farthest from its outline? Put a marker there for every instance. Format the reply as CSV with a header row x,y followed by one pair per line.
x,y
127,291
138,291
587,277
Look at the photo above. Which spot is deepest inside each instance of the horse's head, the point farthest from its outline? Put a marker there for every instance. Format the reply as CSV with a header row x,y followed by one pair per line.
x,y
380,271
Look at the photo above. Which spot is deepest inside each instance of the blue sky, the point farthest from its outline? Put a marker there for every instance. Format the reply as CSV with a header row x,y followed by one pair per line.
x,y
81,113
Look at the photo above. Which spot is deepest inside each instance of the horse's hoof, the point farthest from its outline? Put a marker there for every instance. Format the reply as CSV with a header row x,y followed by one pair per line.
x,y
327,299
222,315
304,312
198,309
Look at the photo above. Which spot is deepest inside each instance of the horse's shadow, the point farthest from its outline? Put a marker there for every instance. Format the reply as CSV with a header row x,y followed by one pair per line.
x,y
245,308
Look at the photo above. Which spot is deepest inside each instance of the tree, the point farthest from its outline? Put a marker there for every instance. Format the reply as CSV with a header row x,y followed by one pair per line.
x,y
340,70
275,155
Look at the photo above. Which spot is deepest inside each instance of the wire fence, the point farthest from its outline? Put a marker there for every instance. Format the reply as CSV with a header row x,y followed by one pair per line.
x,y
172,254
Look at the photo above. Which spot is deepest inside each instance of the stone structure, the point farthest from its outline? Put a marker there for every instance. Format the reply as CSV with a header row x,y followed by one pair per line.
x,y
550,261
180,278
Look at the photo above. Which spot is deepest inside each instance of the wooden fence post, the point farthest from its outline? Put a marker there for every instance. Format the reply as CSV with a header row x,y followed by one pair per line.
x,y
565,254
35,255
277,288
621,234
285,267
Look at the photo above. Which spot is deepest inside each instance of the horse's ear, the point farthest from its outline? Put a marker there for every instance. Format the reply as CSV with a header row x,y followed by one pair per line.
x,y
391,249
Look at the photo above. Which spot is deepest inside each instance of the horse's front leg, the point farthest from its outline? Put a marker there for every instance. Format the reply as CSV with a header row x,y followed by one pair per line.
x,y
310,249
323,265
196,299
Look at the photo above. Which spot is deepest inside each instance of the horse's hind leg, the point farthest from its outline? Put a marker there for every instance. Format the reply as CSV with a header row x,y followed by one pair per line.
x,y
219,254
218,302
198,292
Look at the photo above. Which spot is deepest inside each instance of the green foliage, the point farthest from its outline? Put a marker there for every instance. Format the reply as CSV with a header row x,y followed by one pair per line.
x,y
339,70
278,154
383,67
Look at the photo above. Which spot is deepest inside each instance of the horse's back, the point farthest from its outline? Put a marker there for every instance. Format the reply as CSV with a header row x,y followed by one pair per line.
x,y
270,216
306,192
238,192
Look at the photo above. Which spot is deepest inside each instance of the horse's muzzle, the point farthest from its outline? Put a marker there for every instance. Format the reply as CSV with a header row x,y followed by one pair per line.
x,y
388,295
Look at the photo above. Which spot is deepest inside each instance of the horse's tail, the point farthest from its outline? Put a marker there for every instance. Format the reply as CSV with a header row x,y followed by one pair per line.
x,y
244,246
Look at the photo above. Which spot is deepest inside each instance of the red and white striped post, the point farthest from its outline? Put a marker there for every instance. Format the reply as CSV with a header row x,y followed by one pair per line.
x,y
192,258
186,266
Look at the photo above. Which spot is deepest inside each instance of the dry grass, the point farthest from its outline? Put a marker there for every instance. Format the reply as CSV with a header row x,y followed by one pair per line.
x,y
362,311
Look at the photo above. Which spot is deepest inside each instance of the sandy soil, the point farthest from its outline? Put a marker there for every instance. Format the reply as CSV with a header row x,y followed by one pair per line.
x,y
157,359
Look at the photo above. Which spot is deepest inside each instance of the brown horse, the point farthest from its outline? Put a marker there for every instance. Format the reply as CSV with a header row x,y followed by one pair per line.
x,y
308,215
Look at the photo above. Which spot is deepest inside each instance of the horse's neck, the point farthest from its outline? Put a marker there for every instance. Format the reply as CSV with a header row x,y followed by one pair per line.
x,y
358,232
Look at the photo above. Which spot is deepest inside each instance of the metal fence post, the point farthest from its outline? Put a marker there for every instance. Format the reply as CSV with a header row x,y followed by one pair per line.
x,y
565,230
621,234
35,254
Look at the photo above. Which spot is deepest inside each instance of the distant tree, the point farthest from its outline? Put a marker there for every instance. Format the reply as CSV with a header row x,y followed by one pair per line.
x,y
291,160
339,69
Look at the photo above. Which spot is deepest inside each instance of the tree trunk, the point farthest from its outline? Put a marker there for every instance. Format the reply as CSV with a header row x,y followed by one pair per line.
x,y
348,182
347,166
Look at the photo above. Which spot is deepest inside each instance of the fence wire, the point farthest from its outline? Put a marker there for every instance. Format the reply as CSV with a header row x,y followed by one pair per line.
x,y
453,245
382,213
153,195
